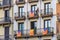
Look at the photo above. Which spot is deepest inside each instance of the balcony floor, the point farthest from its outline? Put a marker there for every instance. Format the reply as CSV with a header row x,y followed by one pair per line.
x,y
40,35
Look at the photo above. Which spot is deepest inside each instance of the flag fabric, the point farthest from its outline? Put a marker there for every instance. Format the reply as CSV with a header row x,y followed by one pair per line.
x,y
31,14
31,32
19,33
45,31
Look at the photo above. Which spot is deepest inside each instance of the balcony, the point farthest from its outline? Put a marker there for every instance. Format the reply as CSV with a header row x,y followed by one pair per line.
x,y
20,17
20,1
47,14
35,33
2,37
32,15
5,3
30,1
5,20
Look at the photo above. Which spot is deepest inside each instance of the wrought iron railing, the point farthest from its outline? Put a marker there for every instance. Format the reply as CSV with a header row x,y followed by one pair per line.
x,y
20,15
37,32
47,11
5,19
5,3
32,14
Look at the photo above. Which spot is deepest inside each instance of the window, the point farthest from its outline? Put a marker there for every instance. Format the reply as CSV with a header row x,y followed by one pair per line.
x,y
6,33
34,26
21,11
21,27
47,8
6,15
47,23
33,8
6,2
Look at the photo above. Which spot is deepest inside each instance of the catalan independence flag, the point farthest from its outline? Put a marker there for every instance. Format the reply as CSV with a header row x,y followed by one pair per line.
x,y
19,33
45,31
31,14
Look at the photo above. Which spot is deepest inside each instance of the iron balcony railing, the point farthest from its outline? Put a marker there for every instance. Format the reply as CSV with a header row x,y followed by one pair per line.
x,y
5,19
5,3
20,15
47,12
36,32
32,14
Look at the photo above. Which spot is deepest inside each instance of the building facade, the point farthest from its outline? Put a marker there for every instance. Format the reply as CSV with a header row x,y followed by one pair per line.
x,y
36,19
29,20
6,17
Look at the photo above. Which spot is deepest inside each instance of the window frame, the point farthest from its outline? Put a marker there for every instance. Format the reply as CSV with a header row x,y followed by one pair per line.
x,y
48,24
47,10
21,13
33,6
34,24
20,27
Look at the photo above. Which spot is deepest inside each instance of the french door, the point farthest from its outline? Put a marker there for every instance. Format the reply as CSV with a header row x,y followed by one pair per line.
x,y
21,11
47,24
6,15
6,31
47,8
21,28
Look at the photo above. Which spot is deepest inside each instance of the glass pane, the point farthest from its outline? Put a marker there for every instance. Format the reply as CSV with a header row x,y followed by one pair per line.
x,y
49,22
35,24
33,8
47,7
21,11
45,24
20,27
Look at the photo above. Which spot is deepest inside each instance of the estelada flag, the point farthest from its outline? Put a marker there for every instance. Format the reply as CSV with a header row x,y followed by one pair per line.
x,y
19,34
45,31
31,14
